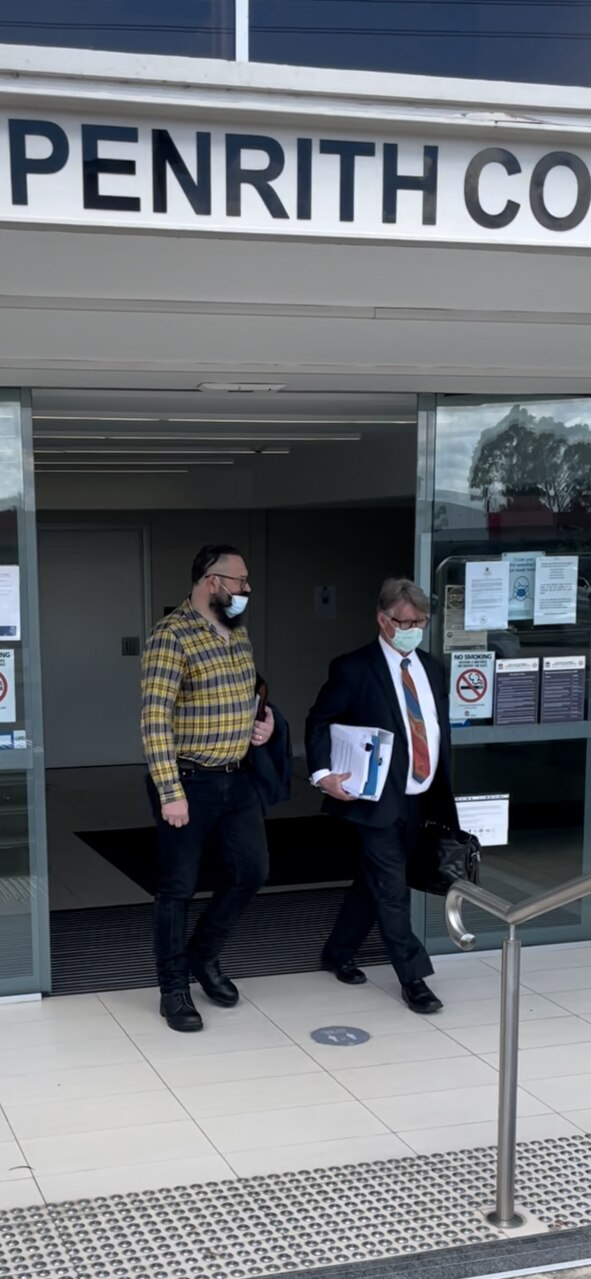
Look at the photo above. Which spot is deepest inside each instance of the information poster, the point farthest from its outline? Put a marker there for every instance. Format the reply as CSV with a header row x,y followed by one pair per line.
x,y
563,689
522,585
556,590
516,690
472,684
7,689
486,816
455,635
10,602
487,595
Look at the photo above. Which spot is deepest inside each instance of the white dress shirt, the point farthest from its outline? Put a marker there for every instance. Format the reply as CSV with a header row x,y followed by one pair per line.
x,y
427,704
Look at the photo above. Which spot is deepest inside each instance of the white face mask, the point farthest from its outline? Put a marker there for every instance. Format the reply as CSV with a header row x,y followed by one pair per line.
x,y
406,641
236,606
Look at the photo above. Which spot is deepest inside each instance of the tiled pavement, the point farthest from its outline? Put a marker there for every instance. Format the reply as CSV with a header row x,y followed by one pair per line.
x,y
98,1097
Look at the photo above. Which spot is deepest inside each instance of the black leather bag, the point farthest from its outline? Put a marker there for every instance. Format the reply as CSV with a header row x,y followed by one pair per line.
x,y
443,856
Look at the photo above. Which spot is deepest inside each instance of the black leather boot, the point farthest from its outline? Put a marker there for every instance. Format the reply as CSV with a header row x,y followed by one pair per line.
x,y
213,981
345,971
420,999
180,1012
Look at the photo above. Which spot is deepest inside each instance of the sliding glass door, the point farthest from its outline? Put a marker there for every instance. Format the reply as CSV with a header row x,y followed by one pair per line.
x,y
24,912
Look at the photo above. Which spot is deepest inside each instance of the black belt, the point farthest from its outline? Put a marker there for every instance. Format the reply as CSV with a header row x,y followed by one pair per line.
x,y
191,766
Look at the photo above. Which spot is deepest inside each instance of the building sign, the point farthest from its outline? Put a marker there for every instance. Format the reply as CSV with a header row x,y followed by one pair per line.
x,y
192,175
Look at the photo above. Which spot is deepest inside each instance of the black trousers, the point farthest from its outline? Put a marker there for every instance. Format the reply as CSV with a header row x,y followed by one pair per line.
x,y
225,807
380,893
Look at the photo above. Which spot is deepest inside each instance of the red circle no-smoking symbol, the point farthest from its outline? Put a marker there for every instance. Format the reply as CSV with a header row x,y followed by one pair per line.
x,y
471,685
3,686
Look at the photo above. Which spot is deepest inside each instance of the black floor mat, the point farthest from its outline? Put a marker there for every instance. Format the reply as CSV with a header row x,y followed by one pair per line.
x,y
110,948
302,850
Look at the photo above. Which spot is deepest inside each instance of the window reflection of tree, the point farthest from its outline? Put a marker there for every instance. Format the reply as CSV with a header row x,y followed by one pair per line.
x,y
539,461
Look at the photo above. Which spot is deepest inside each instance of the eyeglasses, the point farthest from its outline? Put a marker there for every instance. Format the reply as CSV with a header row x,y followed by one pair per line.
x,y
226,577
408,622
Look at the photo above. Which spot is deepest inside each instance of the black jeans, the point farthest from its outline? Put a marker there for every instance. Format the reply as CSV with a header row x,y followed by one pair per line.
x,y
225,807
380,893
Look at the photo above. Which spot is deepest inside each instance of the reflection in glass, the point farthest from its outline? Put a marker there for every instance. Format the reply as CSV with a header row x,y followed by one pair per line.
x,y
16,939
185,28
514,477
11,468
539,41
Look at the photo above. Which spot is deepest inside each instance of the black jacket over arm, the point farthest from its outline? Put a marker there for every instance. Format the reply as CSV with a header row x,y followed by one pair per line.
x,y
360,692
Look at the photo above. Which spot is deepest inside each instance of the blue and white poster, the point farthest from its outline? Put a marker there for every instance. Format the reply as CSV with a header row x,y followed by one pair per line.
x,y
522,584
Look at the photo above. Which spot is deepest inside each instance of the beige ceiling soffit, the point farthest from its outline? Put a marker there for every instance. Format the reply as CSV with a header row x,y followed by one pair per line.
x,y
181,306
288,310
404,372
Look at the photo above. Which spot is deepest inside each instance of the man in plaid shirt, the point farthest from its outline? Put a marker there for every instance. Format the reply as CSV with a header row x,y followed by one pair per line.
x,y
198,723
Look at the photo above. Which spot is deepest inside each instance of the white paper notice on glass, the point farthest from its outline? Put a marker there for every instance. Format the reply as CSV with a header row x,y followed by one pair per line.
x,y
10,602
486,816
487,595
522,584
7,687
455,636
556,590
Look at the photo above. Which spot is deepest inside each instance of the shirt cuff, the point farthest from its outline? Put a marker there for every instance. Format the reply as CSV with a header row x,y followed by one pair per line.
x,y
169,792
319,774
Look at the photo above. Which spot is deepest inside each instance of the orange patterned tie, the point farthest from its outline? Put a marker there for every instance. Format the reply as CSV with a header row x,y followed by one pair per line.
x,y
421,762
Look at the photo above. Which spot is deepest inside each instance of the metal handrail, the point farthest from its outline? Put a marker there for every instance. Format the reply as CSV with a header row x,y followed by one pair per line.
x,y
505,1215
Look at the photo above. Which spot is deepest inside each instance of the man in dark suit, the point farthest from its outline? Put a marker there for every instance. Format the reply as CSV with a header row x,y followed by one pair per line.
x,y
392,686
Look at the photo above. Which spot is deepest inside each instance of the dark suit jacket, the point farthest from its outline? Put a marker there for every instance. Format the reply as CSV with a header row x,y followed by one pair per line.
x,y
271,765
359,691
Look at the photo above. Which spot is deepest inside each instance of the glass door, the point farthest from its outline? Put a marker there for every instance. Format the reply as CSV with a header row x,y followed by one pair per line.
x,y
505,550
24,908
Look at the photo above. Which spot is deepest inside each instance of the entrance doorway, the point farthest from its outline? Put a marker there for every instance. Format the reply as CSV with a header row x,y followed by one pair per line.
x,y
319,493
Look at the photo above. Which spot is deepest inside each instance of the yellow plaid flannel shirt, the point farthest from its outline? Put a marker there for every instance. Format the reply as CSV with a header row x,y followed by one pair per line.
x,y
198,697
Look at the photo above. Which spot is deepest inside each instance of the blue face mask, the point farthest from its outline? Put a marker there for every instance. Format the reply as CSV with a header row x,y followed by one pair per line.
x,y
236,606
406,641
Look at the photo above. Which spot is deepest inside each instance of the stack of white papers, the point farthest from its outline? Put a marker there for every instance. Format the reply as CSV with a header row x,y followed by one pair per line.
x,y
365,753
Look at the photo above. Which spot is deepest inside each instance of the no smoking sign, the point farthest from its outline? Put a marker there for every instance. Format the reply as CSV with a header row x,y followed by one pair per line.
x,y
472,685
7,695
472,681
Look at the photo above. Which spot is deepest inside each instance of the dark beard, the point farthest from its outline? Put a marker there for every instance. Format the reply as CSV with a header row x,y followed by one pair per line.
x,y
218,608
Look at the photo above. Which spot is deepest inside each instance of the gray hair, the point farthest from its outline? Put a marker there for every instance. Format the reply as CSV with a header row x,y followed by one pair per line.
x,y
396,589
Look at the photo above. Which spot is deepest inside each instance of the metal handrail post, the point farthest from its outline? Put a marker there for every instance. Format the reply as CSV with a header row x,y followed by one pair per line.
x,y
505,1214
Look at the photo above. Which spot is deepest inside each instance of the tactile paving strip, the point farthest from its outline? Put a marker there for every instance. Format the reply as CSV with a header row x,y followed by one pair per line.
x,y
262,1226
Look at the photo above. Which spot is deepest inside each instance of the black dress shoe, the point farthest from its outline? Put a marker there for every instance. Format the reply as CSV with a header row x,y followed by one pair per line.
x,y
420,999
216,985
180,1012
346,972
